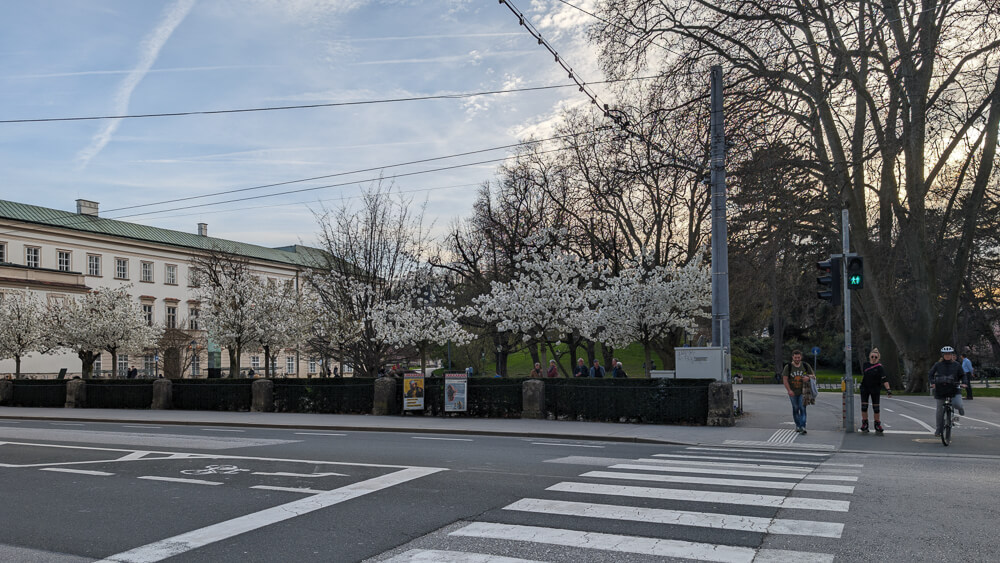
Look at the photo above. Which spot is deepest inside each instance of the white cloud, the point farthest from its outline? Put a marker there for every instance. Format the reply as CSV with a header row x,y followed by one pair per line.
x,y
148,52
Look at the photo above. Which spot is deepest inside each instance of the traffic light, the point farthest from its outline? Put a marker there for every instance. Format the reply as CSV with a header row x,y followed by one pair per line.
x,y
829,281
855,272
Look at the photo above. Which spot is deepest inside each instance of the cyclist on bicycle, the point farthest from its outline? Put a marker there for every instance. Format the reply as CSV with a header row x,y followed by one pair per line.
x,y
949,376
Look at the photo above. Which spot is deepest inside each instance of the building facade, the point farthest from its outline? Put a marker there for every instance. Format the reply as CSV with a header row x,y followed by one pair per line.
x,y
58,253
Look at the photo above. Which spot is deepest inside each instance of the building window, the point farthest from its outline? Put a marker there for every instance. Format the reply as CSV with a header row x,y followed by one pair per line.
x,y
312,365
348,368
149,365
32,256
64,259
170,274
147,311
289,364
121,268
3,252
122,364
195,364
255,362
193,313
93,265
171,319
146,272
97,365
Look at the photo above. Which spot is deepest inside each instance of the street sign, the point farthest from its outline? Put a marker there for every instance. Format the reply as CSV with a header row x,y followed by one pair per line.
x,y
815,350
456,396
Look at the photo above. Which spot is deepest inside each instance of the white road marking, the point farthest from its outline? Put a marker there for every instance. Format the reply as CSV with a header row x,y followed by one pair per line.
x,y
690,461
66,423
784,436
441,556
446,439
824,477
771,501
920,422
702,480
158,551
139,426
798,445
288,489
629,544
920,432
10,422
888,410
774,451
702,471
567,445
319,434
221,430
180,480
748,459
712,520
287,474
77,471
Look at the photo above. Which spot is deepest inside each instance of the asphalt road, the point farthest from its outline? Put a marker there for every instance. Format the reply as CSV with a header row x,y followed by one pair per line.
x,y
81,492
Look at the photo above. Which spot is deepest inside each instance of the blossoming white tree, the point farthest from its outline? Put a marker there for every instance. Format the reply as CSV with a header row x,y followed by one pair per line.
x,y
22,326
279,318
105,319
644,303
228,314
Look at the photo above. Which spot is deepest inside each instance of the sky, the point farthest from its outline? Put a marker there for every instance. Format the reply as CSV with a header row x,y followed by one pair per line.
x,y
69,59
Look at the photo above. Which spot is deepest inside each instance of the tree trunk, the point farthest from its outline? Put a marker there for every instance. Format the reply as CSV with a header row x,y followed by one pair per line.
x,y
591,352
648,357
234,362
889,351
267,361
533,352
114,364
17,366
87,363
916,372
608,352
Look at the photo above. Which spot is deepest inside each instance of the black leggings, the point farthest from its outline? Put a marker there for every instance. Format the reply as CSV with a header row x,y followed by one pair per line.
x,y
874,394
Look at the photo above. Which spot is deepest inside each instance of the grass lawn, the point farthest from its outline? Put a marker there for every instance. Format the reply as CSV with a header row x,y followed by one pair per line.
x,y
632,358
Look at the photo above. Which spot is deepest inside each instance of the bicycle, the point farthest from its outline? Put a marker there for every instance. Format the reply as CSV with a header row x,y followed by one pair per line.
x,y
947,422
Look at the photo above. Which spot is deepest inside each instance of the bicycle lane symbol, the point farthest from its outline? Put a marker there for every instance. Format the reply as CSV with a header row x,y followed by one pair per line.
x,y
215,470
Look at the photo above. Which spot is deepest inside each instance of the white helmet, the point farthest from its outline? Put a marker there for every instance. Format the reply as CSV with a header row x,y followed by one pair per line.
x,y
947,350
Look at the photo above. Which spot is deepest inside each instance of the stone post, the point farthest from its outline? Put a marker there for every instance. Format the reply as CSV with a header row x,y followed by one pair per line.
x,y
6,392
263,396
720,404
533,399
384,402
163,394
76,394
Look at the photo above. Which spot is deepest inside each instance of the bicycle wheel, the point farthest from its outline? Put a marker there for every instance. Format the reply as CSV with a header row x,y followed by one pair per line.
x,y
946,429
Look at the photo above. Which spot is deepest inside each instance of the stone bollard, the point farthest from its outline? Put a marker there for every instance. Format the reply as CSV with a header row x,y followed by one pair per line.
x,y
533,399
263,396
6,392
720,404
163,394
76,394
384,402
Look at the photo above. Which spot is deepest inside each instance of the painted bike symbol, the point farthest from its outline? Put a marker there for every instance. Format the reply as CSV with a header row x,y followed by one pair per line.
x,y
215,470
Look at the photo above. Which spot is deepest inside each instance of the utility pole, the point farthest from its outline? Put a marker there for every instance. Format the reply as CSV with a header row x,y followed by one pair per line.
x,y
848,349
720,249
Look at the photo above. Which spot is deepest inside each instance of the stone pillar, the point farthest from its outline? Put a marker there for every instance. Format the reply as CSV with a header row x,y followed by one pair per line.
x,y
720,404
6,392
163,394
533,398
76,394
263,396
385,400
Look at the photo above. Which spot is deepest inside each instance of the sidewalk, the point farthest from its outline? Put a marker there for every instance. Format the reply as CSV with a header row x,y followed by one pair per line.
x,y
747,431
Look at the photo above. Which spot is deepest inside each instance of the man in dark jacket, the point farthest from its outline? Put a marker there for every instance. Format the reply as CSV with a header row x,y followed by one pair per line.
x,y
597,370
581,369
948,375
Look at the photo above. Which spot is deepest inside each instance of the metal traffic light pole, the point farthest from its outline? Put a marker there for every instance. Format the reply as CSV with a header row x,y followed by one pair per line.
x,y
848,383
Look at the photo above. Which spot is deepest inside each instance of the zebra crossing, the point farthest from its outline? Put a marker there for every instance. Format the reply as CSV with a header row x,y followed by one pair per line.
x,y
700,503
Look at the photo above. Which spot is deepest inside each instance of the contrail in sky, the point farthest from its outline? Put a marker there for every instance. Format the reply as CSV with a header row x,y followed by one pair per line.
x,y
148,52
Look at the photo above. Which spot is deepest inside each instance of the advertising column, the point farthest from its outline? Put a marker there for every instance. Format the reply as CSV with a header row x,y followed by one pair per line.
x,y
456,387
413,391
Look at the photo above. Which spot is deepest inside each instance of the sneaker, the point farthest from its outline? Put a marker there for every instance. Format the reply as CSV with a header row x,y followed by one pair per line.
x,y
956,418
937,434
864,426
878,427
804,430
798,429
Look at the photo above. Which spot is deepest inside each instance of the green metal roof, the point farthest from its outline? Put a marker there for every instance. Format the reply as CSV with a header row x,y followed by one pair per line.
x,y
295,255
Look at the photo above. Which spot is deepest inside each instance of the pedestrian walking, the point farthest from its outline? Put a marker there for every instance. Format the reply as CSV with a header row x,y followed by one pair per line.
x,y
581,369
553,369
967,368
873,379
597,370
618,370
536,371
796,376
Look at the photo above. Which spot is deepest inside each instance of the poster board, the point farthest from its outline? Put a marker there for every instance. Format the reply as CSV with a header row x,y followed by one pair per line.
x,y
413,391
456,392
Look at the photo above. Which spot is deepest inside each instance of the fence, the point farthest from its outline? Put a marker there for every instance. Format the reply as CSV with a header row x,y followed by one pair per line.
x,y
329,396
119,394
488,397
655,401
38,393
212,394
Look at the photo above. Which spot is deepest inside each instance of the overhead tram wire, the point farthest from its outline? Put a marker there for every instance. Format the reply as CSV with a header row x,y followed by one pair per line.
x,y
617,116
459,96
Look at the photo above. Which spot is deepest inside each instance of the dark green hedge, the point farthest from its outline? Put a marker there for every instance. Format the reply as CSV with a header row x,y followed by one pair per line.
x,y
327,395
212,394
656,401
39,393
489,397
119,393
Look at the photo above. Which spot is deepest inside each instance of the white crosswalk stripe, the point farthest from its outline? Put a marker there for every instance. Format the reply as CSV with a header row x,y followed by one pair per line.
x,y
729,494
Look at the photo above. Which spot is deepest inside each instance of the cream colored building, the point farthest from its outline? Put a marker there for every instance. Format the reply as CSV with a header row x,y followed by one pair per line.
x,y
57,253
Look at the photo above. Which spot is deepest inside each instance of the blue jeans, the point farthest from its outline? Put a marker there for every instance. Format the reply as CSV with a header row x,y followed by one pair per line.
x,y
798,410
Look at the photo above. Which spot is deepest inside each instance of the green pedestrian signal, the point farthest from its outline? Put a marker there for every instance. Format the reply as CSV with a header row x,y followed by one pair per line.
x,y
855,272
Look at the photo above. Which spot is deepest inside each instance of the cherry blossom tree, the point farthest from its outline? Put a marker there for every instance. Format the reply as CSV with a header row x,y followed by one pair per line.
x,y
229,292
22,326
278,317
645,303
105,319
